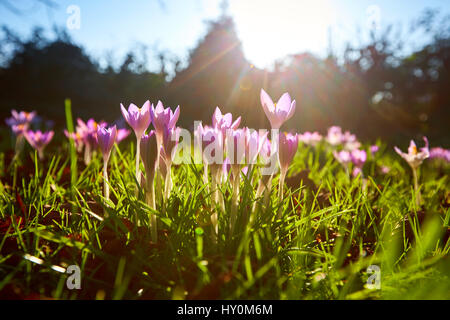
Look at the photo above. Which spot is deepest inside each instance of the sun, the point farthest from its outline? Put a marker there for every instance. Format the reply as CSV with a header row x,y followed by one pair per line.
x,y
272,29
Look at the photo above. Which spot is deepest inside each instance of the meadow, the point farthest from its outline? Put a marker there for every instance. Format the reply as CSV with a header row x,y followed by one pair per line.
x,y
342,219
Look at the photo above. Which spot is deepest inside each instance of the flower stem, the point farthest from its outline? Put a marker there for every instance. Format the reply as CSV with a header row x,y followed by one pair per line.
x,y
168,183
87,154
281,191
138,153
105,180
416,187
150,200
235,198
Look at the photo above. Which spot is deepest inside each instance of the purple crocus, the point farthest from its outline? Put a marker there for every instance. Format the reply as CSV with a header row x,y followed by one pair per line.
x,y
287,148
224,122
39,140
139,119
374,149
280,112
20,121
106,137
77,138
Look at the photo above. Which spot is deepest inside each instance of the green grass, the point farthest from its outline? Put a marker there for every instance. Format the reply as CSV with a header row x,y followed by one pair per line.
x,y
332,228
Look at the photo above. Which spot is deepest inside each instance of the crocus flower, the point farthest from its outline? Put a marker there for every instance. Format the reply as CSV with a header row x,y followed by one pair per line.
x,y
310,138
106,139
163,118
335,135
77,138
20,120
374,149
287,149
39,140
280,112
19,123
139,120
343,156
88,132
358,157
440,153
224,121
350,141
253,144
122,134
415,159
149,154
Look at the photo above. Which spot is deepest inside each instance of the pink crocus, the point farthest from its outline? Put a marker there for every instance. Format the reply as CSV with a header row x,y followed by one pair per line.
x,y
253,143
280,112
106,137
88,132
122,134
310,138
224,121
39,140
139,119
287,149
358,157
163,118
415,159
440,153
374,149
335,135
344,156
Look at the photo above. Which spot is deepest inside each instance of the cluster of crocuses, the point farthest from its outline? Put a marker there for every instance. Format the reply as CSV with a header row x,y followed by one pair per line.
x,y
85,135
156,148
19,123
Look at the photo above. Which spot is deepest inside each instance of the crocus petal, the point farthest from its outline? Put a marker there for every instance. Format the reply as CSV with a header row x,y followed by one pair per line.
x,y
284,103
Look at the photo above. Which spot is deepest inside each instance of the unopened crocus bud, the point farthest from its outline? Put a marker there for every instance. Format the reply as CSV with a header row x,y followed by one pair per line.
x,y
106,139
287,149
149,152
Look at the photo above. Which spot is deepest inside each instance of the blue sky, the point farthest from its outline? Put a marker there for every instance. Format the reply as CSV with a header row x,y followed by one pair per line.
x,y
268,29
